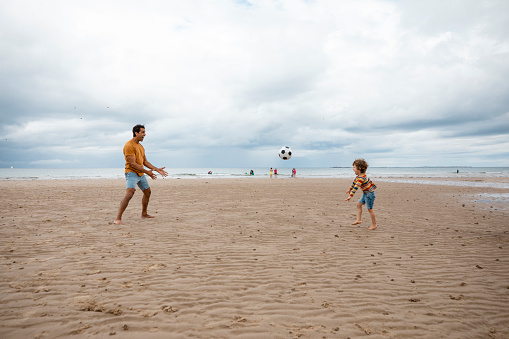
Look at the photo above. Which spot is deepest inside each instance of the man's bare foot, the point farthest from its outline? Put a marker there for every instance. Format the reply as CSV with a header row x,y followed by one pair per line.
x,y
118,222
372,227
147,216
356,222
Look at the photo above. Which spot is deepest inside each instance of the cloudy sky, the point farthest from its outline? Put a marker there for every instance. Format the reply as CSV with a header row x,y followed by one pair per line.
x,y
226,83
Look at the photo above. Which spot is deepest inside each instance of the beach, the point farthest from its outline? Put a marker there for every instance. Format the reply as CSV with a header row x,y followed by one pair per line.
x,y
252,258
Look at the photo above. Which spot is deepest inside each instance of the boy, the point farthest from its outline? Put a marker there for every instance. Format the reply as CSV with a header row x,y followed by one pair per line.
x,y
368,189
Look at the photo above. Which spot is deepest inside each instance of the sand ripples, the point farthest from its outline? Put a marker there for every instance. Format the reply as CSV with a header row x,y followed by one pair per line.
x,y
249,258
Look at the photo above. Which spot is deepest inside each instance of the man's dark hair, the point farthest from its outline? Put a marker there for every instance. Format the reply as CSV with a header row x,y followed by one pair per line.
x,y
136,129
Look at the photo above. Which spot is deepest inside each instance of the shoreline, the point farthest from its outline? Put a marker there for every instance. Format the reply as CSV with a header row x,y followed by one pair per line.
x,y
232,173
487,183
252,258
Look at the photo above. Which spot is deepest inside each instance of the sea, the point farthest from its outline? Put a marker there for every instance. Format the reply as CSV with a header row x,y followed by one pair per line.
x,y
407,173
419,175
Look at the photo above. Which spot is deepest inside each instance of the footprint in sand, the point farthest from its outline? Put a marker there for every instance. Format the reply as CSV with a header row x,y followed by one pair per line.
x,y
459,297
239,319
169,309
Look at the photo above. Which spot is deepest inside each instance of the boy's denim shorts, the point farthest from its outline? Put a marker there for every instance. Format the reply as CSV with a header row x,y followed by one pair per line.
x,y
132,179
368,199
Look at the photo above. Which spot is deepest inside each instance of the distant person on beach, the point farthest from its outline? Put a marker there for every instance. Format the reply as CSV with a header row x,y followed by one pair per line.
x,y
275,172
368,189
294,173
135,163
271,172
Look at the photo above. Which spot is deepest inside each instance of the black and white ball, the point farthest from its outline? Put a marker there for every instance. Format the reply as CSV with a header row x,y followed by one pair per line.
x,y
285,153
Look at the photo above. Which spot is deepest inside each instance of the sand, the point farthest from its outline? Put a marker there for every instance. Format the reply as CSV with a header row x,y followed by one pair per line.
x,y
251,258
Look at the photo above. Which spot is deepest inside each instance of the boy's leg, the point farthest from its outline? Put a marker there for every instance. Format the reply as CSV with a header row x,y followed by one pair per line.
x,y
373,220
359,214
370,201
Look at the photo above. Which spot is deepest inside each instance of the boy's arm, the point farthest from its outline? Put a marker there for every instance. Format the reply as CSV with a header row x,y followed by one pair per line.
x,y
351,187
355,186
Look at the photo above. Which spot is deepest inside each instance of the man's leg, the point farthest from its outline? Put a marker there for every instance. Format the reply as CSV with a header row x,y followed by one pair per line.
x,y
144,203
123,205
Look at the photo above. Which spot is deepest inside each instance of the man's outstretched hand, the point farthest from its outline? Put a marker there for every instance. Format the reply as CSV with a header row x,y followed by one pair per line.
x,y
162,171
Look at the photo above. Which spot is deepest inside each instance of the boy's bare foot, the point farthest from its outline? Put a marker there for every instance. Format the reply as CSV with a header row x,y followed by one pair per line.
x,y
356,222
372,227
118,222
147,216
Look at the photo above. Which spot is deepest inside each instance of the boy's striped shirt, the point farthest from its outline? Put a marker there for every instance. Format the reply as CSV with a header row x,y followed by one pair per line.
x,y
364,183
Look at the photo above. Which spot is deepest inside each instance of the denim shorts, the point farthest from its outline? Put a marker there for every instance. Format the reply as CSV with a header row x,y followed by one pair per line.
x,y
368,198
132,179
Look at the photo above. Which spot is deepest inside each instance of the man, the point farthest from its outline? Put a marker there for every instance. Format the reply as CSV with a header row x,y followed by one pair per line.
x,y
135,163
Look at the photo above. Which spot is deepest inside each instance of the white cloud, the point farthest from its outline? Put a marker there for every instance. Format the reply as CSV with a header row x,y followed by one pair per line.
x,y
331,78
54,162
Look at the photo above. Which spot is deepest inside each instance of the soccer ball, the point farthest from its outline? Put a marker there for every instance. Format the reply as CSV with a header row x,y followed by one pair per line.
x,y
285,153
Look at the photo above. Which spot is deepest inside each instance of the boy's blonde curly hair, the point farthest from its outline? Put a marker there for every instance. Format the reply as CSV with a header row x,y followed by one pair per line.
x,y
361,164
